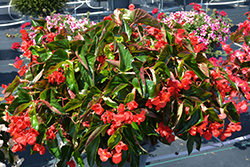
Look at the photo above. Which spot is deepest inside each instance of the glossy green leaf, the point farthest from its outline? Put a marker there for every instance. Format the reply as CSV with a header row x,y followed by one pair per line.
x,y
139,71
33,118
61,44
161,67
53,148
197,92
12,87
110,102
114,83
92,150
23,97
125,58
78,158
21,108
130,97
70,78
58,56
191,63
96,133
231,112
65,154
134,159
114,139
166,54
38,23
73,104
213,116
190,144
128,30
186,125
48,98
42,53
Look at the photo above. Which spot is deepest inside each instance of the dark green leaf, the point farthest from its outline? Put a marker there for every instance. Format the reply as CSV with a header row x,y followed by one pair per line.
x,y
21,108
231,112
95,133
65,154
92,150
79,159
23,97
197,92
33,118
198,142
161,67
53,148
190,144
114,83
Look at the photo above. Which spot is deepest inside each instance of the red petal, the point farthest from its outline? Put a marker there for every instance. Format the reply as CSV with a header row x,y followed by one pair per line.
x,y
117,158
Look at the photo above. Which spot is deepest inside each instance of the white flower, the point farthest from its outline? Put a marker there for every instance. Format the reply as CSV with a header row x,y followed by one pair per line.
x,y
2,164
1,143
3,127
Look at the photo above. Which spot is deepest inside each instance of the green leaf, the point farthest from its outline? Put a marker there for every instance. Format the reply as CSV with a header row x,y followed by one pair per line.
x,y
124,158
169,37
110,102
21,108
231,112
39,38
58,56
73,104
42,53
142,16
192,64
92,150
200,93
48,98
127,29
61,44
134,159
12,87
190,144
161,67
125,58
114,84
96,133
65,154
139,71
79,159
70,78
53,148
166,53
33,118
195,118
23,97
114,139
38,23
130,97
213,116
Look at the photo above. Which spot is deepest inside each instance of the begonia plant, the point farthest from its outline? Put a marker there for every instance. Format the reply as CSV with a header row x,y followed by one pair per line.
x,y
104,89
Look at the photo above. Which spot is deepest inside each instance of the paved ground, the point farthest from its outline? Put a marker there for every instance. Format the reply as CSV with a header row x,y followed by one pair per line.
x,y
236,149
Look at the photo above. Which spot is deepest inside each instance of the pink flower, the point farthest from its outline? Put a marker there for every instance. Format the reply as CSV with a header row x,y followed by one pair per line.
x,y
131,7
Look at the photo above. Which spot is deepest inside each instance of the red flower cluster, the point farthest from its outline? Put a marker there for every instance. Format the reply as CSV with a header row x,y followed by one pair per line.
x,y
25,25
57,77
231,127
116,154
166,132
155,10
223,13
23,133
51,36
160,43
160,101
121,117
15,45
71,163
22,69
51,133
98,109
196,6
186,80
